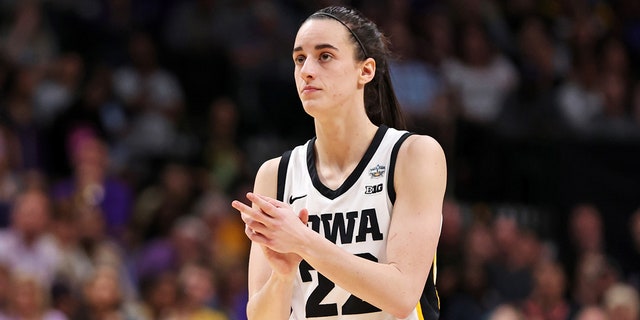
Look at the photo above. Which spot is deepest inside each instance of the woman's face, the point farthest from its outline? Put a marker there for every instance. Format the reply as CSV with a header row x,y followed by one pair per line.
x,y
326,71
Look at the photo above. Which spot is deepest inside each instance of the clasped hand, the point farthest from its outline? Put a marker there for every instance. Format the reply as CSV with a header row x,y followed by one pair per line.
x,y
273,225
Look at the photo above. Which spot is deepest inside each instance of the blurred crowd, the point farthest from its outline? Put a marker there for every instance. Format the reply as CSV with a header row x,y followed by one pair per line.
x,y
127,126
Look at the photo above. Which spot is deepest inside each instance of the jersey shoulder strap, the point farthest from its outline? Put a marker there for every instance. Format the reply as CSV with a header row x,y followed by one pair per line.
x,y
282,174
392,166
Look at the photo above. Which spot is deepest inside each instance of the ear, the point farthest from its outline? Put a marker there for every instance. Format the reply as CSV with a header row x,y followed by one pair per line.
x,y
367,71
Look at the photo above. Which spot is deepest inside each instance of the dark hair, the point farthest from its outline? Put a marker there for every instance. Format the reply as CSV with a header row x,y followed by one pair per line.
x,y
380,100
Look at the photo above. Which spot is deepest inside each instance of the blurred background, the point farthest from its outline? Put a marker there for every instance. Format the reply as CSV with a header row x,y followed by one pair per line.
x,y
128,126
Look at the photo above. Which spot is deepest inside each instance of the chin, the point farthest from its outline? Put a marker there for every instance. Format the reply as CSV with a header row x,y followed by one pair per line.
x,y
311,107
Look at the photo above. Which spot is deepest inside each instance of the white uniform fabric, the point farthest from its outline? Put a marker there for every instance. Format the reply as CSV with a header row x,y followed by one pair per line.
x,y
356,217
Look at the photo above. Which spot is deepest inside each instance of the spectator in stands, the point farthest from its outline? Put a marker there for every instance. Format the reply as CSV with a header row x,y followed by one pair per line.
x,y
17,111
542,65
435,35
159,295
29,40
451,247
592,313
74,263
187,242
474,298
154,99
615,121
65,299
104,299
594,275
197,294
471,296
232,289
159,205
621,302
228,250
579,97
548,297
585,236
224,161
102,249
94,107
58,88
518,250
91,184
506,312
261,32
5,285
418,85
480,246
614,57
29,300
10,178
433,44
26,246
481,76
227,244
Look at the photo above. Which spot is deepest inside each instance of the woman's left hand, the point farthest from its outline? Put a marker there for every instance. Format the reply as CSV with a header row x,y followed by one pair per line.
x,y
273,223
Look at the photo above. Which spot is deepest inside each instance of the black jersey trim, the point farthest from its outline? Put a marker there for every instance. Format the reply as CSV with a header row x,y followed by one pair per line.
x,y
429,300
353,177
392,166
282,174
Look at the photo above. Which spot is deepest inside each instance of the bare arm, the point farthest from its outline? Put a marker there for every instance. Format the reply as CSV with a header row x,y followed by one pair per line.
x,y
420,181
269,292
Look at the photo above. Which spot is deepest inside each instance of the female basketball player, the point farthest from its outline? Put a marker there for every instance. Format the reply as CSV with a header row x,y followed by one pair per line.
x,y
346,226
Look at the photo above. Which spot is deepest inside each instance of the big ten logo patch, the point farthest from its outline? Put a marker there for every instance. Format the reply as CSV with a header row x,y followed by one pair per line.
x,y
373,189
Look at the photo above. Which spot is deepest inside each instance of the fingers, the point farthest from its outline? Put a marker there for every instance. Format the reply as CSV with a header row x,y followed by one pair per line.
x,y
304,216
272,201
267,204
266,217
254,218
254,235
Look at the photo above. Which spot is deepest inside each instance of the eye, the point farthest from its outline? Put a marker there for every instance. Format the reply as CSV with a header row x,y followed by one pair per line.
x,y
325,57
299,59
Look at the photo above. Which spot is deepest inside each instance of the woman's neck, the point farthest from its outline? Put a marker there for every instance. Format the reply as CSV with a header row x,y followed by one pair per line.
x,y
339,147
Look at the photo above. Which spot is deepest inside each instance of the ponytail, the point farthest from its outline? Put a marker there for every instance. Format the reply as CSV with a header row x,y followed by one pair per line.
x,y
381,103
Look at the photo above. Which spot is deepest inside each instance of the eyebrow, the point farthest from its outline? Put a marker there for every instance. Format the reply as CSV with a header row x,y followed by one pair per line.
x,y
318,47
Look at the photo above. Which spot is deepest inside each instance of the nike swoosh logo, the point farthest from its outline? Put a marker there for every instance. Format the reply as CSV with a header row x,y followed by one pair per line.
x,y
292,198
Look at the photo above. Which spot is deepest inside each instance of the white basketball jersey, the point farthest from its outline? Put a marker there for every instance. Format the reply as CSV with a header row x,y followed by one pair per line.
x,y
355,216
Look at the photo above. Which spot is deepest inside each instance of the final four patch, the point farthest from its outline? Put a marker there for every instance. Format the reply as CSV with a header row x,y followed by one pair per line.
x,y
377,171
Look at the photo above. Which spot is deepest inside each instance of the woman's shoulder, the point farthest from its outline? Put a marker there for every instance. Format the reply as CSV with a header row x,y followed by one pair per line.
x,y
266,180
421,167
421,148
271,165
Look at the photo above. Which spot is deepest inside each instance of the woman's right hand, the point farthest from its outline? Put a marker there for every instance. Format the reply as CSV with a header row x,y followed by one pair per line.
x,y
282,263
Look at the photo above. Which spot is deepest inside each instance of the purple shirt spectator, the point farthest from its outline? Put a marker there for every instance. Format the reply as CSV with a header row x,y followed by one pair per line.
x,y
112,196
91,184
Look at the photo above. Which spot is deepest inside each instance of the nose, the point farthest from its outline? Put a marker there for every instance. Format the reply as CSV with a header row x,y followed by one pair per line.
x,y
308,70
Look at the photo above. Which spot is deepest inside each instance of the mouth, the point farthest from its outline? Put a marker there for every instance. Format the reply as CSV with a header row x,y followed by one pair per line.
x,y
309,89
